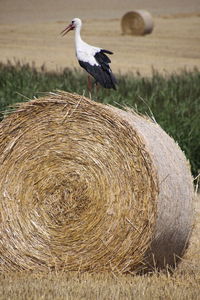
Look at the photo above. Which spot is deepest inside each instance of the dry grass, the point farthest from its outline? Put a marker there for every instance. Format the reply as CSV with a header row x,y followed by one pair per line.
x,y
183,284
84,187
69,169
58,286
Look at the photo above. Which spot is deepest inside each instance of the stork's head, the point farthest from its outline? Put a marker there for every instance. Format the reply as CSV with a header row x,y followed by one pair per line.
x,y
76,22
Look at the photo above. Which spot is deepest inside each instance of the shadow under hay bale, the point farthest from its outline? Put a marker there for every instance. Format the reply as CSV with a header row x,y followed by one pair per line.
x,y
137,22
89,187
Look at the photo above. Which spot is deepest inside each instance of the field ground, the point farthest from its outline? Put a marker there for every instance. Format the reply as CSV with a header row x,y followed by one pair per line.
x,y
31,33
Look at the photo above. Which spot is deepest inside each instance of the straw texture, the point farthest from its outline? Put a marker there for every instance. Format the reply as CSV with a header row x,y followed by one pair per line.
x,y
176,193
82,189
137,22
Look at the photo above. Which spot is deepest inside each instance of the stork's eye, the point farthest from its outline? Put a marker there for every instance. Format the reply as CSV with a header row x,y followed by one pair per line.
x,y
72,22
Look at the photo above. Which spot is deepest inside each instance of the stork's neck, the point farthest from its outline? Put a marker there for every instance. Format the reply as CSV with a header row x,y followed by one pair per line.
x,y
78,39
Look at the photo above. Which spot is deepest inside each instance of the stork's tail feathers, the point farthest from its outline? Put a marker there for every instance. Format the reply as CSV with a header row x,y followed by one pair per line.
x,y
106,51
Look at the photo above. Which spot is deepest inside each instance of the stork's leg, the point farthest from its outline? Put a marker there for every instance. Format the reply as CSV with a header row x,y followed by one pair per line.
x,y
89,84
97,87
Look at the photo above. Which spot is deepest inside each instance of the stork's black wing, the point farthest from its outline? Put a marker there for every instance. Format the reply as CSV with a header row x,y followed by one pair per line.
x,y
107,78
101,72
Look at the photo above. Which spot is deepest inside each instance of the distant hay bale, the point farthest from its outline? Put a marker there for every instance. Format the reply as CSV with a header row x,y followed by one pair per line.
x,y
89,187
137,22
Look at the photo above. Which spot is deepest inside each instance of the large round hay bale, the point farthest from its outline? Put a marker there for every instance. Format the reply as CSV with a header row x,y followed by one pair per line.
x,y
137,22
89,187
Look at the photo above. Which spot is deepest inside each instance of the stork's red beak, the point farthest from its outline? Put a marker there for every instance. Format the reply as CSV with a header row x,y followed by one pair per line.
x,y
67,29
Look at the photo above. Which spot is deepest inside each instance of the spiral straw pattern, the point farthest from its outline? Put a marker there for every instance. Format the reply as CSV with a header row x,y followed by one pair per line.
x,y
79,188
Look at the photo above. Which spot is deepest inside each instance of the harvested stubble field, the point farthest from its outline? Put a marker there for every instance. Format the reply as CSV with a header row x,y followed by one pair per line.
x,y
28,33
31,32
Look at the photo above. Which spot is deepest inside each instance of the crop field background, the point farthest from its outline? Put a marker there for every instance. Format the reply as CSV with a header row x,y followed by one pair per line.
x,y
158,75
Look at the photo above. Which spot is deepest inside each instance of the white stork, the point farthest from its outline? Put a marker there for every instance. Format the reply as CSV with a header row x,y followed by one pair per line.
x,y
92,59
